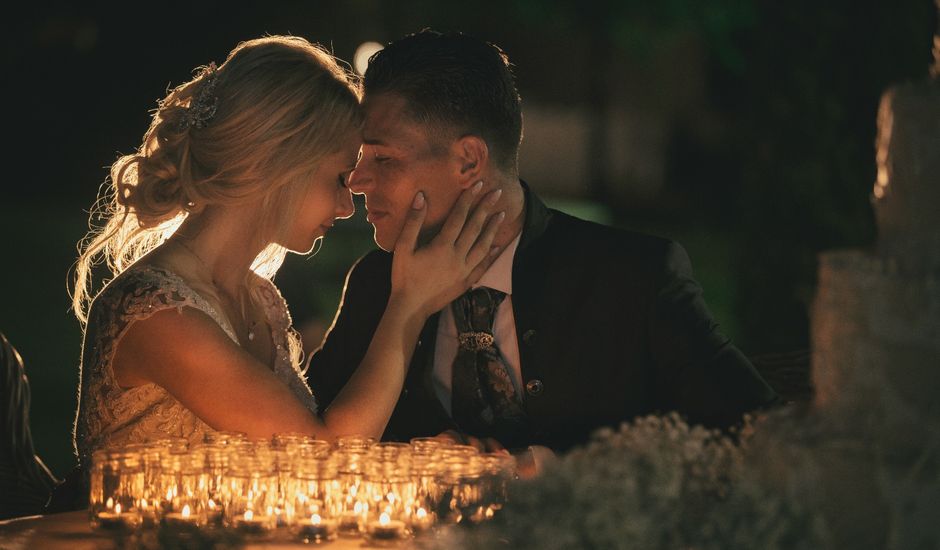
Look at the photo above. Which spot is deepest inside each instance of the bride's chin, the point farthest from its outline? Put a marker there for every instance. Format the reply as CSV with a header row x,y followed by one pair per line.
x,y
309,248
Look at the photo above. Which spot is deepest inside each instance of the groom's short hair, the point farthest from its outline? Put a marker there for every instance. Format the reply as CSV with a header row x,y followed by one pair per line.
x,y
456,83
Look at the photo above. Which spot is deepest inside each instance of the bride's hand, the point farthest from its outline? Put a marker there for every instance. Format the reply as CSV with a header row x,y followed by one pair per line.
x,y
426,279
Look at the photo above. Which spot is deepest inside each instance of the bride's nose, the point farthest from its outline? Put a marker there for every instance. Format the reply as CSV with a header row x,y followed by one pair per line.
x,y
344,204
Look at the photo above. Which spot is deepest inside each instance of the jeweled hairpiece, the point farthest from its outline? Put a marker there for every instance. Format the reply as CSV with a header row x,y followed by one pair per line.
x,y
204,102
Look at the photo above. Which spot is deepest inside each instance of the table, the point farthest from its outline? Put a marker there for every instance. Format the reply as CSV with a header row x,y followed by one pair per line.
x,y
72,531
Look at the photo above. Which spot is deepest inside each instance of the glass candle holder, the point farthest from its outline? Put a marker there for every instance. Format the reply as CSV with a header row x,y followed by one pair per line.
x,y
314,447
461,482
216,470
283,462
170,444
224,437
314,488
252,486
389,491
498,470
117,484
184,480
422,511
428,445
150,502
355,442
350,501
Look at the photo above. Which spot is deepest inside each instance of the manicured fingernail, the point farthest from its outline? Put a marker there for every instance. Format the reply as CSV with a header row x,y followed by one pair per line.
x,y
495,195
500,217
418,203
494,250
476,187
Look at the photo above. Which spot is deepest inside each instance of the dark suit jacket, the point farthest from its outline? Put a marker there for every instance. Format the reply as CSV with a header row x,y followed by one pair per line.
x,y
611,325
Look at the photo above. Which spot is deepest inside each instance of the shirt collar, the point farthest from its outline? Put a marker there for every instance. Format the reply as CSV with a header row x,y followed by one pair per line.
x,y
499,275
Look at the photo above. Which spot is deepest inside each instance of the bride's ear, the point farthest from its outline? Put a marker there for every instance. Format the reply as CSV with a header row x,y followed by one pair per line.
x,y
472,156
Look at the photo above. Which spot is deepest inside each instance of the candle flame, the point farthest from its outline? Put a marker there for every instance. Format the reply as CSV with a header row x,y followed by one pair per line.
x,y
110,503
169,494
358,508
117,509
211,504
384,519
421,513
248,515
315,519
390,496
186,511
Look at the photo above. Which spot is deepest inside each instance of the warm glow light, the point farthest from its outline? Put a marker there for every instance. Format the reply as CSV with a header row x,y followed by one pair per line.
x,y
169,494
211,504
186,511
117,508
362,55
315,519
390,496
421,513
358,508
248,515
384,519
110,503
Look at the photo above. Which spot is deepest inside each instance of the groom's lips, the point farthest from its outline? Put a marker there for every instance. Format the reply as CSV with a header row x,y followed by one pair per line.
x,y
375,215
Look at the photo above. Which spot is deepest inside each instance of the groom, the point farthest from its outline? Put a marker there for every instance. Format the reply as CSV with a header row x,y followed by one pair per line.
x,y
574,326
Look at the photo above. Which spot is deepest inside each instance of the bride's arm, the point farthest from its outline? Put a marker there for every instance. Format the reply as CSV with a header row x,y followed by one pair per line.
x,y
189,355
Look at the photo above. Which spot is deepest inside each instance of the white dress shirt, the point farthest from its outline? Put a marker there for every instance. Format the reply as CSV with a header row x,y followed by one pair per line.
x,y
497,277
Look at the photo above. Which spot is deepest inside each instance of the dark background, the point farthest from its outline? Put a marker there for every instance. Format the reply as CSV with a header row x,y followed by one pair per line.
x,y
765,113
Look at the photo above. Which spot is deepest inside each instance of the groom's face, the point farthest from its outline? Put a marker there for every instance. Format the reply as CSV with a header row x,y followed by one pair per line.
x,y
399,158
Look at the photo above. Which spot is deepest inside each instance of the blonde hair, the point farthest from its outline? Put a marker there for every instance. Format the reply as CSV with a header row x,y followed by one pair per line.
x,y
283,104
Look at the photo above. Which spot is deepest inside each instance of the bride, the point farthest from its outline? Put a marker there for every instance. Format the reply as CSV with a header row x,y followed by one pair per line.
x,y
245,162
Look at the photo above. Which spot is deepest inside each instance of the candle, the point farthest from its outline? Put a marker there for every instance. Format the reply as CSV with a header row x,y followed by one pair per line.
x,y
421,521
350,519
251,524
114,519
181,521
316,529
213,513
385,530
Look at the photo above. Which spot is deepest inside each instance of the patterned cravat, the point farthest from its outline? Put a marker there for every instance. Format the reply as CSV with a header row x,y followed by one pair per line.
x,y
484,399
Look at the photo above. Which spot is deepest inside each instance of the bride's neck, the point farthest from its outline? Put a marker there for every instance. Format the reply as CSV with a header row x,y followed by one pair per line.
x,y
224,242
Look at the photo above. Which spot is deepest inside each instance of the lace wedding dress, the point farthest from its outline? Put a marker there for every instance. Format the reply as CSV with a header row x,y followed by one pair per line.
x,y
111,415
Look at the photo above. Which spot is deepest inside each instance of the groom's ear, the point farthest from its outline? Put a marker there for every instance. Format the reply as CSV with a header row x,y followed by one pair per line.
x,y
472,156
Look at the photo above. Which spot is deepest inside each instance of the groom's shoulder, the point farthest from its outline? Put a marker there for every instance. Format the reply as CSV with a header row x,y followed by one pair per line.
x,y
580,237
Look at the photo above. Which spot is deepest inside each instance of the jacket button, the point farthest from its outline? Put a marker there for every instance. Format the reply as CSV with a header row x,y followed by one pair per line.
x,y
534,387
529,337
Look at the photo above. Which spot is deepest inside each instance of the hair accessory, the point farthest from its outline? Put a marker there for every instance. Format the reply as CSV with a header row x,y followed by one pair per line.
x,y
204,102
